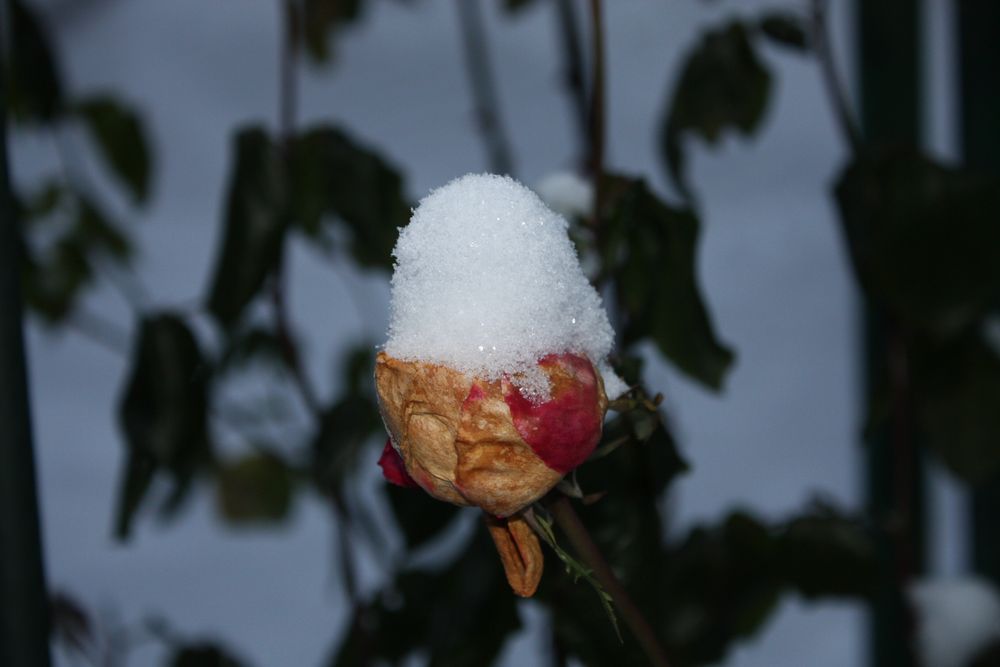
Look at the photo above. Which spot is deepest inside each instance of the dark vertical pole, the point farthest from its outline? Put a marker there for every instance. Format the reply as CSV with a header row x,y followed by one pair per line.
x,y
891,114
978,24
23,603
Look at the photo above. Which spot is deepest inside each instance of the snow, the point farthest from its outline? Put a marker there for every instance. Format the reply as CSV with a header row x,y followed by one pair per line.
x,y
487,282
956,619
567,193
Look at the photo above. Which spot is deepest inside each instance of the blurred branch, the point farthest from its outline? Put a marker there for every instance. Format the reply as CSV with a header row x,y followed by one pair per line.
x,y
570,523
596,120
483,85
835,88
288,69
573,78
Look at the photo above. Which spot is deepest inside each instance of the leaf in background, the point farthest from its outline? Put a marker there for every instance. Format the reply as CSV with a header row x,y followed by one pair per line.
x,y
346,427
321,19
253,344
785,29
459,616
255,489
924,238
515,6
419,517
163,414
723,85
254,225
649,249
956,394
35,90
337,178
121,137
203,655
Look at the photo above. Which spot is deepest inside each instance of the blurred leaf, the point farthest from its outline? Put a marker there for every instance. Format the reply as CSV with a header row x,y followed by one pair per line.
x,y
419,517
71,623
956,387
256,488
42,203
163,414
253,344
824,554
119,133
514,6
203,655
321,18
785,29
53,281
649,248
35,90
723,85
95,232
924,238
459,616
255,224
335,178
346,427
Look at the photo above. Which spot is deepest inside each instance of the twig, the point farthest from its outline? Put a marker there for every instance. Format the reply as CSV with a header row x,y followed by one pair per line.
x,y
596,119
483,85
573,78
832,81
564,514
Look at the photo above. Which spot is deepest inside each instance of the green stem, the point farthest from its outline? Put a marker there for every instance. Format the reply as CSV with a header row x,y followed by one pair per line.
x,y
564,514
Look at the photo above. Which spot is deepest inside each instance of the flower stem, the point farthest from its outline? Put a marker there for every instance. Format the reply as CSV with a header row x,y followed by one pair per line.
x,y
569,521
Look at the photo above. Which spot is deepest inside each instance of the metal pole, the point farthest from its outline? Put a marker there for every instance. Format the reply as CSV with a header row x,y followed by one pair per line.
x,y
24,620
891,114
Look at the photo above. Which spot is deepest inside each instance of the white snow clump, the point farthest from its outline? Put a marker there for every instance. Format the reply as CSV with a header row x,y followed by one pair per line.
x,y
487,282
566,193
956,619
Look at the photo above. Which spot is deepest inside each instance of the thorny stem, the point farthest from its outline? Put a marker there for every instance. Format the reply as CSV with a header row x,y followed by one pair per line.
x,y
834,84
570,523
596,120
483,85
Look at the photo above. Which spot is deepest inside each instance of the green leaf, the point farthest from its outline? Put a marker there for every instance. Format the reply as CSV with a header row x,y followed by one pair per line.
x,y
163,414
35,89
121,137
956,393
321,19
419,517
924,238
254,225
255,489
785,29
723,85
649,249
203,655
336,180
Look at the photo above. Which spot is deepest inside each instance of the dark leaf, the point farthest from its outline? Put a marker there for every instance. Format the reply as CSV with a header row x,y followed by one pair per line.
x,y
420,517
924,238
71,623
254,225
649,248
162,413
346,427
35,90
824,554
41,203
723,85
119,133
53,281
338,180
95,232
253,344
321,19
785,29
203,655
460,616
514,6
956,387
257,488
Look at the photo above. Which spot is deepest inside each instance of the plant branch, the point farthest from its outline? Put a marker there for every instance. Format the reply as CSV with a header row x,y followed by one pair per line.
x,y
564,514
832,80
596,118
483,85
573,77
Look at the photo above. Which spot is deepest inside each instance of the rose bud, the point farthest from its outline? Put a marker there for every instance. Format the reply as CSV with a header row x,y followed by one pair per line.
x,y
493,382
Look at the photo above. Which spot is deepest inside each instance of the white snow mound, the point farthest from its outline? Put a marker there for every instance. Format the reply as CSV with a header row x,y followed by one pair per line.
x,y
487,282
956,619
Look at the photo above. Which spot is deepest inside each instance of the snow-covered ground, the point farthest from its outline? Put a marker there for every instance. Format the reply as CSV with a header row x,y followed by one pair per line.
x,y
772,266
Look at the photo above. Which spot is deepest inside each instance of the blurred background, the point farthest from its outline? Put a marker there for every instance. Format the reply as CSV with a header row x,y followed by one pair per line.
x,y
841,291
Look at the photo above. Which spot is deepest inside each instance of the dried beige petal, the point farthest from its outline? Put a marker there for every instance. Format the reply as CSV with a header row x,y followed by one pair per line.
x,y
520,552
